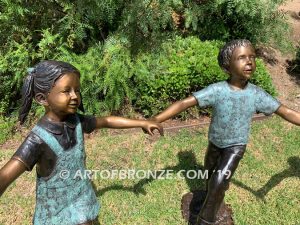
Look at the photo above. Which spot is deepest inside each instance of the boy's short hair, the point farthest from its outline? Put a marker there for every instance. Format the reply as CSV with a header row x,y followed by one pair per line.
x,y
226,52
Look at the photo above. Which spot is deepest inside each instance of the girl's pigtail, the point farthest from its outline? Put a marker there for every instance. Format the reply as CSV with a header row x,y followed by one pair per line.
x,y
27,96
81,104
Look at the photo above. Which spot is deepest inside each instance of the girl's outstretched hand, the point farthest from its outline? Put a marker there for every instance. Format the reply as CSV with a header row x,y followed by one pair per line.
x,y
149,126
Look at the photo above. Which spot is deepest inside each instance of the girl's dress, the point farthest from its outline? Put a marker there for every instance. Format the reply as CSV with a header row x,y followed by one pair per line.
x,y
66,196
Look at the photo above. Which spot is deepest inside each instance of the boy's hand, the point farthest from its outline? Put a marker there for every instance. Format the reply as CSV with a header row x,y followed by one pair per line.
x,y
149,126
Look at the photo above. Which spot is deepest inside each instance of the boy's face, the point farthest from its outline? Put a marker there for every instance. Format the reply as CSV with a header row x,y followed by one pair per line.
x,y
64,97
242,63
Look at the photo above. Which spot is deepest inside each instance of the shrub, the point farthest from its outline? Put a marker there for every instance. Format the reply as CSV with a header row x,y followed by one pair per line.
x,y
105,75
16,58
256,20
6,127
37,30
13,66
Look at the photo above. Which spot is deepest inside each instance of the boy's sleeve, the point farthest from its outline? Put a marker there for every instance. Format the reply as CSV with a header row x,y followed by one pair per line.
x,y
206,96
265,103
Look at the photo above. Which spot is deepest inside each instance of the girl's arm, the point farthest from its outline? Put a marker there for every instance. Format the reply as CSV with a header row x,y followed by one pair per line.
x,y
123,123
175,109
11,171
289,114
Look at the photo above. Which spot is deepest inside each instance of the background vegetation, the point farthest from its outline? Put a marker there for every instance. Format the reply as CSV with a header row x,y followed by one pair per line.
x,y
111,42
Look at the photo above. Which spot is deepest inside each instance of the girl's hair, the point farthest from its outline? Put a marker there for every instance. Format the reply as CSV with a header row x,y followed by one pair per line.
x,y
40,79
226,52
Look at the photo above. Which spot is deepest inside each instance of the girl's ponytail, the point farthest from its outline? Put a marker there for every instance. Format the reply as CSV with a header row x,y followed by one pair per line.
x,y
27,96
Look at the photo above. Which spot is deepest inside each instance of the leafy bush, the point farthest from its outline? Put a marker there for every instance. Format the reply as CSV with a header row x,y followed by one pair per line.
x,y
37,30
258,21
182,67
13,66
262,78
105,75
6,127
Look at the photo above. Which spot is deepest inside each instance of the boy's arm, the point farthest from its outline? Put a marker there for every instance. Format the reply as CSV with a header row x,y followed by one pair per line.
x,y
289,114
123,123
11,171
175,109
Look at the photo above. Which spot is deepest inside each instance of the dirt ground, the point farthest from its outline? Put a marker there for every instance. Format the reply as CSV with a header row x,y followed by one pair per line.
x,y
287,85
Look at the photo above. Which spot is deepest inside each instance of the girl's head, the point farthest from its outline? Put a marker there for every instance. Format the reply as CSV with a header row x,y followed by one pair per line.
x,y
49,82
226,52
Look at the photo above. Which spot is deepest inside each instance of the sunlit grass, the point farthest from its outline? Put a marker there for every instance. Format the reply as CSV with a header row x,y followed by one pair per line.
x,y
264,189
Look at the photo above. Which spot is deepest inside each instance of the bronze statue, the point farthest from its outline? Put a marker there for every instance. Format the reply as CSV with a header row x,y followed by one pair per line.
x,y
56,145
233,103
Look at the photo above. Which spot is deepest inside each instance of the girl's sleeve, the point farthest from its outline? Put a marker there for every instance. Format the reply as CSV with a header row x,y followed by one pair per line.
x,y
88,123
29,151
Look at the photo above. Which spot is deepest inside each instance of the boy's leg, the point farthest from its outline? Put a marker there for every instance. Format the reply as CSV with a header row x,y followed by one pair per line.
x,y
219,183
211,159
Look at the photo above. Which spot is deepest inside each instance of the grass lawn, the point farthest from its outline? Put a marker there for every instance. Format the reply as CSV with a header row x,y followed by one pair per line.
x,y
264,189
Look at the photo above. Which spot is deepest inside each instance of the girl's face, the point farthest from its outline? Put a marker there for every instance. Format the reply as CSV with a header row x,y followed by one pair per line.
x,y
64,97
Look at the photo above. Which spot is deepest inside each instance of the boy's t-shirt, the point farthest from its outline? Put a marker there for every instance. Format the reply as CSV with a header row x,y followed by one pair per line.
x,y
233,111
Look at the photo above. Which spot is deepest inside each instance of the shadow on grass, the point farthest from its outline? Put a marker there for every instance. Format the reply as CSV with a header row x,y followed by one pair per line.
x,y
187,161
292,171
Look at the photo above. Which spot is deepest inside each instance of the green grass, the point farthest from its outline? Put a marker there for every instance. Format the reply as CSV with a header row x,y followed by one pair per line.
x,y
264,189
6,127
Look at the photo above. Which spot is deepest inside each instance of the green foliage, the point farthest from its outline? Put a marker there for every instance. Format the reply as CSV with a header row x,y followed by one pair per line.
x,y
182,67
258,21
105,75
262,78
69,30
116,69
13,66
6,127
16,58
147,21
37,30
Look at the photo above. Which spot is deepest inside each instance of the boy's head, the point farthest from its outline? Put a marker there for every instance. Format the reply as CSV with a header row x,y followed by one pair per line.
x,y
226,53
